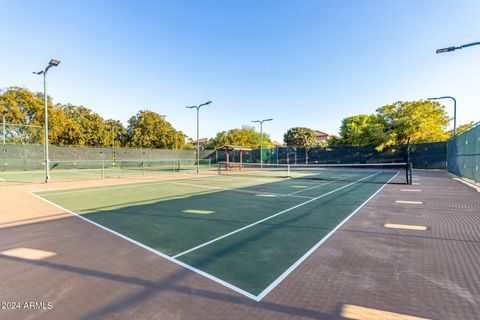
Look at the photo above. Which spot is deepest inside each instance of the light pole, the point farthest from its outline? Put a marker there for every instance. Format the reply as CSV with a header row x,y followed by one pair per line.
x,y
454,112
113,143
52,63
261,138
449,49
198,132
4,126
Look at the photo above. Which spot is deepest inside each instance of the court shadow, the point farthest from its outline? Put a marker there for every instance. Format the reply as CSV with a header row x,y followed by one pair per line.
x,y
165,285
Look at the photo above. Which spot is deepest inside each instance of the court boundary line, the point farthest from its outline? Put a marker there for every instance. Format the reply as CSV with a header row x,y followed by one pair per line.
x,y
270,217
287,272
228,285
150,249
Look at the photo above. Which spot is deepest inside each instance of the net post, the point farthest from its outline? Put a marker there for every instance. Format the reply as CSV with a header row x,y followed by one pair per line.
x,y
410,172
143,168
409,181
407,176
103,169
288,170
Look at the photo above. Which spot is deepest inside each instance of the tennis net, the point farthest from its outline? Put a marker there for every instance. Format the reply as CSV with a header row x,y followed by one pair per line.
x,y
313,171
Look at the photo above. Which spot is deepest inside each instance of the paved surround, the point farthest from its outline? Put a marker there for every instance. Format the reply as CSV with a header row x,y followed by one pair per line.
x,y
95,275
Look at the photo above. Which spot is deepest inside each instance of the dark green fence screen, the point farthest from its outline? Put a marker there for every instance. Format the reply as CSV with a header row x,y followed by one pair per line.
x,y
464,154
422,156
14,157
429,155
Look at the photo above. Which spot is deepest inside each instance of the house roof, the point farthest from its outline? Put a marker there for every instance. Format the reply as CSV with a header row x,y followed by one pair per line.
x,y
319,133
278,144
201,140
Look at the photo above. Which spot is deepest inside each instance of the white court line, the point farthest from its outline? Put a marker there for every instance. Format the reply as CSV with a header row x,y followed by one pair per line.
x,y
272,286
269,217
238,190
318,185
206,275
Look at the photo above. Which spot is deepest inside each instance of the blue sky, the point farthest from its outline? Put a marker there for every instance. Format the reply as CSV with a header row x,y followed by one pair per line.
x,y
303,63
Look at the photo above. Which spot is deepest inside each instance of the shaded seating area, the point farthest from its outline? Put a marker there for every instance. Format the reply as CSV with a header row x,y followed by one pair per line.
x,y
231,163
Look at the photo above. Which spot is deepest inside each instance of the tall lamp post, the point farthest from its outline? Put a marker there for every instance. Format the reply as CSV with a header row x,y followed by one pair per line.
x,y
198,133
4,129
449,49
261,138
52,63
454,111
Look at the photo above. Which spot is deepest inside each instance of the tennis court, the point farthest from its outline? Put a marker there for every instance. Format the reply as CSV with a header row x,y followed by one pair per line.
x,y
242,229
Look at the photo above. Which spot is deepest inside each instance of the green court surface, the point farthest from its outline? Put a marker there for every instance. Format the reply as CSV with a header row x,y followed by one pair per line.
x,y
246,233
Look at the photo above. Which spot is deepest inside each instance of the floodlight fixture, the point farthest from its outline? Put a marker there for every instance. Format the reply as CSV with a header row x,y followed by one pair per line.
x,y
453,48
54,62
445,49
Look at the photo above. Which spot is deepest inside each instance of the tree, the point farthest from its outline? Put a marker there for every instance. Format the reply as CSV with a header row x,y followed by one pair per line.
x,y
398,123
461,128
22,109
62,129
362,130
84,127
148,129
412,121
246,136
115,130
300,137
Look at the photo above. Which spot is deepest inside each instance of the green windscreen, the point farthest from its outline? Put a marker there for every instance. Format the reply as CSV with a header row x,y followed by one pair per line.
x,y
464,154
